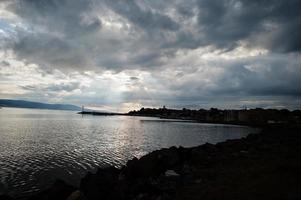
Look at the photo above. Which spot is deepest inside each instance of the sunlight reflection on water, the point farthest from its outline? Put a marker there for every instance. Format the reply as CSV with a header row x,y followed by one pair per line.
x,y
39,146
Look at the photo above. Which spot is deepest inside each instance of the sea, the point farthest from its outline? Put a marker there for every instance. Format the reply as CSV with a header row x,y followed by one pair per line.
x,y
39,146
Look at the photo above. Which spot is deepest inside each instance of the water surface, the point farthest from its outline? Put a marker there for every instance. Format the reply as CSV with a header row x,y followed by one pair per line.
x,y
39,146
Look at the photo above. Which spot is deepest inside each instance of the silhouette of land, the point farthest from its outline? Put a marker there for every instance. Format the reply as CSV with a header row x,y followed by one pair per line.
x,y
256,116
38,105
99,113
253,117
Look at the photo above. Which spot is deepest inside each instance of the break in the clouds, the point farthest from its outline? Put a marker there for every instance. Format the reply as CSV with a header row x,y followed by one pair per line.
x,y
124,54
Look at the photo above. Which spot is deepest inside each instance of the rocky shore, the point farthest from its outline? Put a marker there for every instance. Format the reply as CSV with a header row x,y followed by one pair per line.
x,y
260,166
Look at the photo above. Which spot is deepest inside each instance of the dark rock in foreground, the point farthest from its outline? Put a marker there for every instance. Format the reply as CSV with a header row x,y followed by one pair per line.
x,y
58,191
5,197
260,166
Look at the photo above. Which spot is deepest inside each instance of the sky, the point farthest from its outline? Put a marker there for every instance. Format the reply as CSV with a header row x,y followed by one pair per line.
x,y
125,54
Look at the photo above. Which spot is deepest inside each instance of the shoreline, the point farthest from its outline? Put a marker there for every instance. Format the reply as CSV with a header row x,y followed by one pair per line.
x,y
193,120
260,166
170,119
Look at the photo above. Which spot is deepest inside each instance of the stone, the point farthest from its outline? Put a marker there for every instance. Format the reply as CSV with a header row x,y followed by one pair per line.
x,y
76,195
60,190
100,185
171,173
6,197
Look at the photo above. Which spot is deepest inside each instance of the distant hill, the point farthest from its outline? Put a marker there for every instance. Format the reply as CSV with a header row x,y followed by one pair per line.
x,y
31,104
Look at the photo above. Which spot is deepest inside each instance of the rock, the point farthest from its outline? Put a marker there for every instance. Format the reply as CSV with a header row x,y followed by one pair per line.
x,y
76,195
60,190
153,164
171,173
209,148
5,197
100,185
147,166
197,156
170,157
198,181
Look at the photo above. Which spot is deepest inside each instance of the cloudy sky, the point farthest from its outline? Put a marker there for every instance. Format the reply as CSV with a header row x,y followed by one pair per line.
x,y
123,54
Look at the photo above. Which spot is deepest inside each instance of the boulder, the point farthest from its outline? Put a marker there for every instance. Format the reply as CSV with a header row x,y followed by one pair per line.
x,y
5,197
60,190
100,185
76,195
171,173
153,164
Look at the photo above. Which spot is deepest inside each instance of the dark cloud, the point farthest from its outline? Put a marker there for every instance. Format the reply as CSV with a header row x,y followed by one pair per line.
x,y
46,50
68,87
73,28
29,87
5,63
56,32
61,16
185,9
275,80
225,23
157,37
49,88
258,77
133,78
146,19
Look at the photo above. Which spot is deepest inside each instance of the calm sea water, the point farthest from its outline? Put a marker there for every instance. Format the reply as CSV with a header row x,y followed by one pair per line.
x,y
39,146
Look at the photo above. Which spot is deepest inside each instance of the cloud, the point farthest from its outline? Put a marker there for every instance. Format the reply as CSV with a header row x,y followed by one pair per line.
x,y
194,52
57,87
226,23
147,19
133,78
107,34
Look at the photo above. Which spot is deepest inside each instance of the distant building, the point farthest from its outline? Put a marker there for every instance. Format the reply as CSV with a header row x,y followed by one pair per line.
x,y
230,115
243,116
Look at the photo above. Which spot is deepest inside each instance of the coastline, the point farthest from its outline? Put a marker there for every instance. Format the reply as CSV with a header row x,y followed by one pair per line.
x,y
171,119
245,117
260,166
